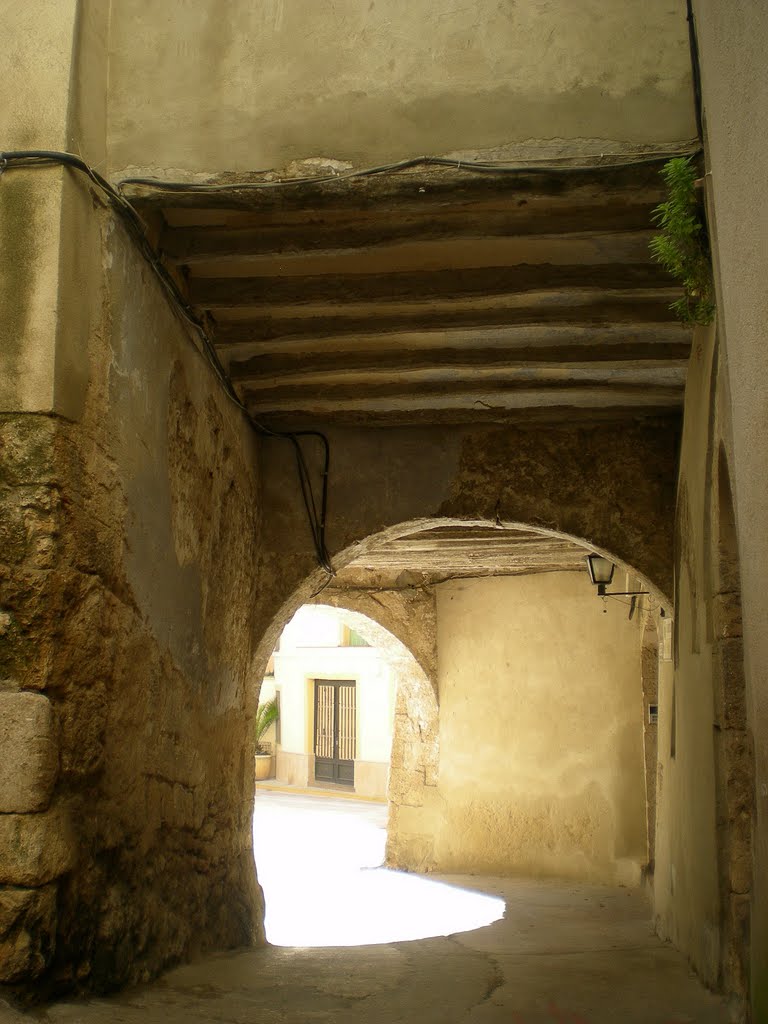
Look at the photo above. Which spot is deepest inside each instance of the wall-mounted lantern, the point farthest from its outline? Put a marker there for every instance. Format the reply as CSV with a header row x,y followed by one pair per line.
x,y
601,573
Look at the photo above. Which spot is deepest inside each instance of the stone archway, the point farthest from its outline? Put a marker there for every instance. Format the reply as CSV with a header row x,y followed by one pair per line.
x,y
415,738
402,600
315,581
610,488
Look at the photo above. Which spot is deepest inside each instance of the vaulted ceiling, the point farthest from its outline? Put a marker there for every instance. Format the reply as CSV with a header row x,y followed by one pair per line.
x,y
431,294
433,554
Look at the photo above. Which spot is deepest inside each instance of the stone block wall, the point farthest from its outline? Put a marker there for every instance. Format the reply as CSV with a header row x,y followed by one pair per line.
x,y
128,546
36,841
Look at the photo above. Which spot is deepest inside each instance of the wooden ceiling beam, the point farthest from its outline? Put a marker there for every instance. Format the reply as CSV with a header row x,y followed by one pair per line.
x,y
539,309
426,286
299,367
600,230
343,381
524,340
394,397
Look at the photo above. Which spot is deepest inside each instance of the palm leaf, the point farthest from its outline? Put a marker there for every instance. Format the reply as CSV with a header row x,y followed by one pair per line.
x,y
266,714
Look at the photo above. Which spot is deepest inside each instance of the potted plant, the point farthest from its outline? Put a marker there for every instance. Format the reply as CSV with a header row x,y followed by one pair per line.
x,y
267,714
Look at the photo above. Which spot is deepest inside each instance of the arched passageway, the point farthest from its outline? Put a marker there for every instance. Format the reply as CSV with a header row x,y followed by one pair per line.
x,y
137,501
521,747
610,488
394,744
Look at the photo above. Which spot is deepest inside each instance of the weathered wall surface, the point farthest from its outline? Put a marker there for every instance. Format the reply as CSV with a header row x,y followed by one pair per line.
x,y
541,734
128,540
370,83
408,613
735,93
610,486
45,325
686,891
704,879
413,793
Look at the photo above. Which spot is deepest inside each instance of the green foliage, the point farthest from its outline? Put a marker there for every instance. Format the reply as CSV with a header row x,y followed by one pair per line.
x,y
266,715
682,248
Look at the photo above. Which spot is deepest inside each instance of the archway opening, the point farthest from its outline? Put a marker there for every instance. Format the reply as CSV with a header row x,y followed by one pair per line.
x,y
541,737
356,711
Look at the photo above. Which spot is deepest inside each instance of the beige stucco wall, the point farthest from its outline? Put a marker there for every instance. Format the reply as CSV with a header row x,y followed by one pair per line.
x,y
686,892
735,91
45,325
541,732
37,67
194,91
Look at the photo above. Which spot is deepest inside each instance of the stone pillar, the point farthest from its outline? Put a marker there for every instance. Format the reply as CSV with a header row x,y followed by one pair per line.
x,y
54,47
43,375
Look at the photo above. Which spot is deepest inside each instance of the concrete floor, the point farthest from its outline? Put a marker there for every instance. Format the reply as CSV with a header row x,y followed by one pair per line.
x,y
562,953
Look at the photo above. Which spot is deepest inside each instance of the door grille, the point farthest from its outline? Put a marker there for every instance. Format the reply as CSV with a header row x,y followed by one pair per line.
x,y
335,731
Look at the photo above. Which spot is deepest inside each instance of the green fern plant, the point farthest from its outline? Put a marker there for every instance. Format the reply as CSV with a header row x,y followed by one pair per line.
x,y
682,247
266,714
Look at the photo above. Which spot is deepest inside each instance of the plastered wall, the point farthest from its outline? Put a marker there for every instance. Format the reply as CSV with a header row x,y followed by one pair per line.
x,y
383,482
541,731
735,95
283,80
706,886
686,888
50,255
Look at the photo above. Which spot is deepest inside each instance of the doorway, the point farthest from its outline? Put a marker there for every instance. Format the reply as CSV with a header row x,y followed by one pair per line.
x,y
335,740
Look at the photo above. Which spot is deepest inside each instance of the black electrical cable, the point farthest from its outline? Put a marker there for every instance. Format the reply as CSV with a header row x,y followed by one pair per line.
x,y
478,166
693,44
316,519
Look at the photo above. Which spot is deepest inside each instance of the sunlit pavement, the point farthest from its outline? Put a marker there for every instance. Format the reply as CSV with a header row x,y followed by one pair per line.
x,y
560,953
319,862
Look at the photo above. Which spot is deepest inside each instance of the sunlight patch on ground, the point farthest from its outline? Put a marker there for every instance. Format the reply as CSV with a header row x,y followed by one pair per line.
x,y
319,864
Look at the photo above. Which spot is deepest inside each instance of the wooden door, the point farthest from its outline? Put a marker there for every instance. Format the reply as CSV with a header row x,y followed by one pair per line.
x,y
335,731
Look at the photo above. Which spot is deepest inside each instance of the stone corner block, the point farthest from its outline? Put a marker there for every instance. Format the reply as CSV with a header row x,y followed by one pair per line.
x,y
28,752
36,848
27,932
